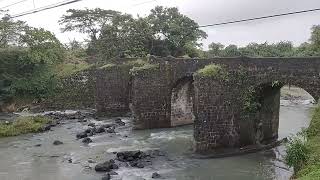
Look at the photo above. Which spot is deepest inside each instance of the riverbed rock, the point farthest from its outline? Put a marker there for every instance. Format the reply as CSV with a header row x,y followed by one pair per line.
x,y
155,175
92,125
81,135
87,140
106,177
100,130
106,166
111,130
57,142
107,126
119,122
113,173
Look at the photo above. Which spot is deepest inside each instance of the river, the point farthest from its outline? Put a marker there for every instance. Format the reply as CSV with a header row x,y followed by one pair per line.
x,y
21,159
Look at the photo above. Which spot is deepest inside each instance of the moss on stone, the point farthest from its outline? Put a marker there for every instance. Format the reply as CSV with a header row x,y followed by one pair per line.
x,y
137,63
213,70
107,66
145,67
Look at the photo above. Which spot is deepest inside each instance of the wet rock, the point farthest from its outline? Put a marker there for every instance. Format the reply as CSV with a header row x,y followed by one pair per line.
x,y
100,130
91,161
129,155
106,177
107,126
91,125
113,173
87,140
119,122
81,135
111,130
56,143
106,166
155,175
82,120
46,127
137,164
90,130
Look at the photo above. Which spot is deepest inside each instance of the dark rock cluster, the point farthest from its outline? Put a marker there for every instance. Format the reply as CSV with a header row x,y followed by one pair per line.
x,y
136,159
94,129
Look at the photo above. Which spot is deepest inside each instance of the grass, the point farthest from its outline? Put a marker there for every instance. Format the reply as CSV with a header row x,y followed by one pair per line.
x,y
66,69
23,125
311,167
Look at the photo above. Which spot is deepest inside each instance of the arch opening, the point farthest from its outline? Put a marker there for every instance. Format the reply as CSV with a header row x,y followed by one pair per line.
x,y
275,120
182,102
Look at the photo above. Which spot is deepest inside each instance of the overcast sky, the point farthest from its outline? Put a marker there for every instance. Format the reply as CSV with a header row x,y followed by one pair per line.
x,y
295,28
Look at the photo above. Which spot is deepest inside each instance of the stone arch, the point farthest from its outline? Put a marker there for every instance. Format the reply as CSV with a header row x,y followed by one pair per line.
x,y
266,123
182,102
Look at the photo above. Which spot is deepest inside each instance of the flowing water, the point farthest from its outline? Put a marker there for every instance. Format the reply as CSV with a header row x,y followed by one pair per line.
x,y
20,159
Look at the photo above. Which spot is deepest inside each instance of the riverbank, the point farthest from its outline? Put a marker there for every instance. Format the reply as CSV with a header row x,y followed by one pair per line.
x,y
23,125
311,168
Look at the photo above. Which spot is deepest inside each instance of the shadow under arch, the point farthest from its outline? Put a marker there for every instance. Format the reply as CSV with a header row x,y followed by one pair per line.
x,y
268,96
182,102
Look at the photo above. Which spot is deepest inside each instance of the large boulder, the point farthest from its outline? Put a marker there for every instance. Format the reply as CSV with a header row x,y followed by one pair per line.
x,y
106,166
81,135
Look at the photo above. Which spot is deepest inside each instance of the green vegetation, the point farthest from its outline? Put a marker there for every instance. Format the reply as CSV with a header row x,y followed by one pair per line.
x,y
304,154
297,153
213,70
23,125
145,67
251,103
165,31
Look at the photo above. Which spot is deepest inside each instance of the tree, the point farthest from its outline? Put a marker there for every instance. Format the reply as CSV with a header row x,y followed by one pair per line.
x,y
231,51
44,47
88,21
27,56
124,37
215,49
174,29
10,31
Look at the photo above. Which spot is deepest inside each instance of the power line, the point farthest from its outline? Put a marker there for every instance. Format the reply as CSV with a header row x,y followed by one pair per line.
x,y
262,17
145,2
13,4
43,8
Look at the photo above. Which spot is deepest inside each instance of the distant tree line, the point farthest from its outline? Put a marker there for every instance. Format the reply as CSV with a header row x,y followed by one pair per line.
x,y
281,49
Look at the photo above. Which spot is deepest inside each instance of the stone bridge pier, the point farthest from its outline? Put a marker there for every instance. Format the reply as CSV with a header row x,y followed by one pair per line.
x,y
233,102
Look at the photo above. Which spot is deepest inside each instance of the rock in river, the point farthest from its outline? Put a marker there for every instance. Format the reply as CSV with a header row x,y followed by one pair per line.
x,y
82,135
155,175
106,177
87,140
57,142
106,166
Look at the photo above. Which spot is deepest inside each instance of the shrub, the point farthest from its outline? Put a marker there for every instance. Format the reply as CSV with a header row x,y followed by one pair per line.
x,y
214,70
297,153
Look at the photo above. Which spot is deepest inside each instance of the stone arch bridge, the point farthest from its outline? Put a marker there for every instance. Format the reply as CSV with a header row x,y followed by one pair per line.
x,y
233,102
